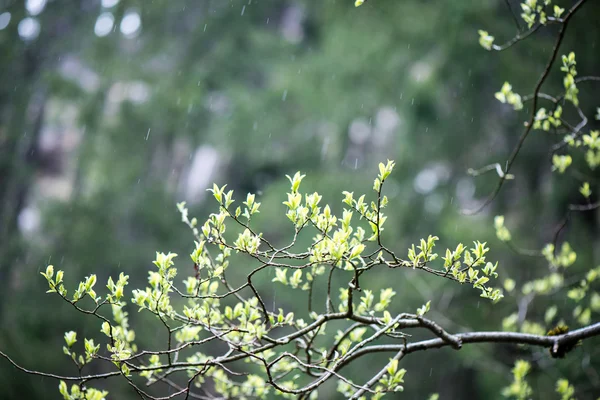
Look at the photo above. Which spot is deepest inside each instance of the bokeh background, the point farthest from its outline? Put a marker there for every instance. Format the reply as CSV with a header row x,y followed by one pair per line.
x,y
111,111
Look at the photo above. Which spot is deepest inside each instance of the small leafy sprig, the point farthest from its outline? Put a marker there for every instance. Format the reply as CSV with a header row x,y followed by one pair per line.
x,y
215,311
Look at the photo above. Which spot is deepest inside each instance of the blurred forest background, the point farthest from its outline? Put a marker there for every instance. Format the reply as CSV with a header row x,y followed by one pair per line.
x,y
111,111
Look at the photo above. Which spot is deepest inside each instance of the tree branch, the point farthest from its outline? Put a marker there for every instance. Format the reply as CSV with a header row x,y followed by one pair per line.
x,y
555,343
529,124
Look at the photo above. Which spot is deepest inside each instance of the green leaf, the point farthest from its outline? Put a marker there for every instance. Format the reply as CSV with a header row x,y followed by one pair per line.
x,y
424,309
70,338
585,190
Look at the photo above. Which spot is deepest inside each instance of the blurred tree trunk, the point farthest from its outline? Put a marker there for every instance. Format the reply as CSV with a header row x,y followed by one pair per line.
x,y
22,103
25,115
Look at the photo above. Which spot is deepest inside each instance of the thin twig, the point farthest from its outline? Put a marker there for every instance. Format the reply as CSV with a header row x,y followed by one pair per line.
x,y
529,125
